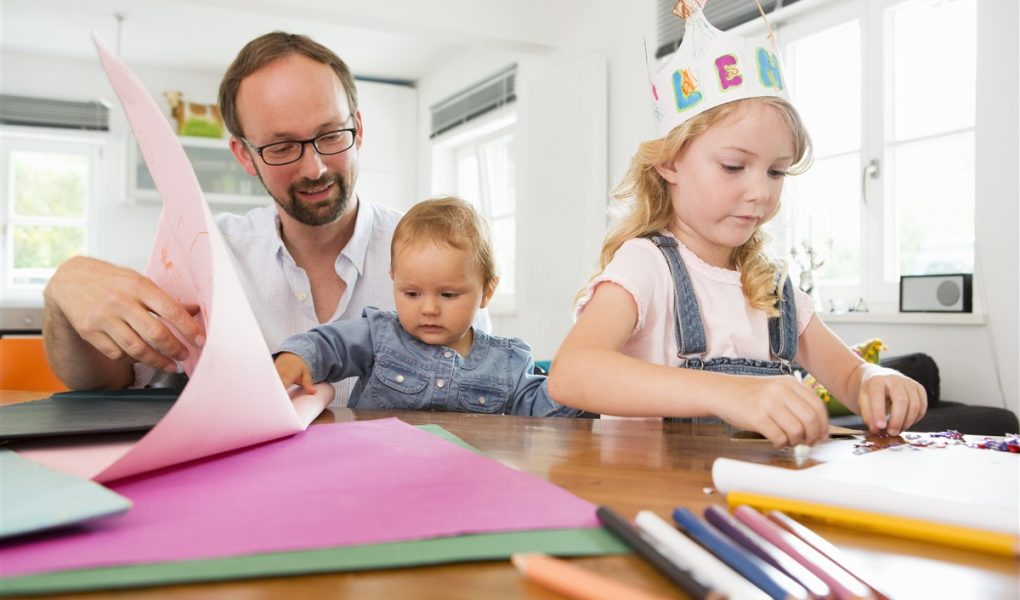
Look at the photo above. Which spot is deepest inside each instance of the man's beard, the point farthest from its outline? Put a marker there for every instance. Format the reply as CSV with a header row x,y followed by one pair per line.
x,y
314,214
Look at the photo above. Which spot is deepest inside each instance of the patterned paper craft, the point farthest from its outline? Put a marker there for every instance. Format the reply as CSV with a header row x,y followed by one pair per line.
x,y
234,397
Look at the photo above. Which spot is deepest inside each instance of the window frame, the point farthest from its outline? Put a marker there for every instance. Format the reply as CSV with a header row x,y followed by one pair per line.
x,y
878,286
446,149
94,146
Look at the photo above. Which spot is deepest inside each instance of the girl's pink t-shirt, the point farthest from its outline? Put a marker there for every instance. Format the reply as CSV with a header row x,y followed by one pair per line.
x,y
732,327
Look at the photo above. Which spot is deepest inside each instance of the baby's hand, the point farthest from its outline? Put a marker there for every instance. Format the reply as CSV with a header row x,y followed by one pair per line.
x,y
293,369
781,408
880,387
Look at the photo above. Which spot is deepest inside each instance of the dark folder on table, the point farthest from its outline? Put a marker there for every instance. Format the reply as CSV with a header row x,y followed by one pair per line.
x,y
85,412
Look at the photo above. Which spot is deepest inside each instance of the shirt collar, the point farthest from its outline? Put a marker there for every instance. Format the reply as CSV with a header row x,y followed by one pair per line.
x,y
357,248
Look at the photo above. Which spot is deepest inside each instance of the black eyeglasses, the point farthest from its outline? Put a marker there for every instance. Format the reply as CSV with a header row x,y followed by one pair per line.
x,y
290,151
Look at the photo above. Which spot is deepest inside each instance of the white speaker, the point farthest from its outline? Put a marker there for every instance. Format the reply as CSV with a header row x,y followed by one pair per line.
x,y
935,293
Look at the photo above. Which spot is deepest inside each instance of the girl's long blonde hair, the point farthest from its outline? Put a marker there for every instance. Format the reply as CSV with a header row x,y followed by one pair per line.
x,y
652,208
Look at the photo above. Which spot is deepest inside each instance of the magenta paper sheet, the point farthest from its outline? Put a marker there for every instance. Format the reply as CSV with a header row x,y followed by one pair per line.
x,y
234,397
334,485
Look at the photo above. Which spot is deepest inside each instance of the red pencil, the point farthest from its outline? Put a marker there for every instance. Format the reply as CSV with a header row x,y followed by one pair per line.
x,y
822,545
843,584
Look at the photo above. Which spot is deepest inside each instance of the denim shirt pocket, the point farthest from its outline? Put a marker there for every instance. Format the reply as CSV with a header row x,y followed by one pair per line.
x,y
481,396
397,387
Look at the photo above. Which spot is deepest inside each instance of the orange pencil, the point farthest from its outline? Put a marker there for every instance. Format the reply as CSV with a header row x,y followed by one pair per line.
x,y
574,582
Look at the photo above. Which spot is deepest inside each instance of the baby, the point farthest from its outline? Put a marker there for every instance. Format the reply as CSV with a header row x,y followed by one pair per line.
x,y
426,355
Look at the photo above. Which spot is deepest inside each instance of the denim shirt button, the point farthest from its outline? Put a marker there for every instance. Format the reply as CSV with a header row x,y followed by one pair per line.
x,y
447,354
399,378
440,383
481,400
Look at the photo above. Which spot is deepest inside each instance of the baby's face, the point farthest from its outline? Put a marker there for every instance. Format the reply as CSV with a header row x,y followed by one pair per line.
x,y
438,291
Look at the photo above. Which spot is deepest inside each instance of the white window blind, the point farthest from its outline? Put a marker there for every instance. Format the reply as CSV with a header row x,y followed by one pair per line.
x,y
489,94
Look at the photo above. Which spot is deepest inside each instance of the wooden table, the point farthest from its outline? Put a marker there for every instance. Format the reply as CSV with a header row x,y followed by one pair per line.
x,y
630,466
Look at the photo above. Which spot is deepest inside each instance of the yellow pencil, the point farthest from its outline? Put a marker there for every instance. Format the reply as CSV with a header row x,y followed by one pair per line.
x,y
573,581
991,542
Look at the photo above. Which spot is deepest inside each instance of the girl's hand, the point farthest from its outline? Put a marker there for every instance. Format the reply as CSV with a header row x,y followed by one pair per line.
x,y
884,389
293,369
781,408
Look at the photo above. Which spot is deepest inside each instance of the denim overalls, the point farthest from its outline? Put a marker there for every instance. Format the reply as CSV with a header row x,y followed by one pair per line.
x,y
692,344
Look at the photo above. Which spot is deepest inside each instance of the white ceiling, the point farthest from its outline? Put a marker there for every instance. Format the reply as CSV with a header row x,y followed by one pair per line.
x,y
390,39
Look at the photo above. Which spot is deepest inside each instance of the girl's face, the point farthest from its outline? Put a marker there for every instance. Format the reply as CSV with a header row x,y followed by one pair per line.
x,y
727,182
438,291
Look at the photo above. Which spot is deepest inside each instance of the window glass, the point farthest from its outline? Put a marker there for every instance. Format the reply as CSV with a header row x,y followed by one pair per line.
x,y
933,54
935,214
818,64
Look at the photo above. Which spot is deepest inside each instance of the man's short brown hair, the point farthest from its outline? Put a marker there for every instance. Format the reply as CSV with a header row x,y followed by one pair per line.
x,y
264,50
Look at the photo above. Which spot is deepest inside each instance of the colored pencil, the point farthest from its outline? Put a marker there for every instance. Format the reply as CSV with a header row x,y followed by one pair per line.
x,y
770,580
843,584
683,550
981,540
573,581
633,538
746,537
822,545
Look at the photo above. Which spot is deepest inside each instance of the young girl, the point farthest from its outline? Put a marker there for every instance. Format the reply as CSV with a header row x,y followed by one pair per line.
x,y
688,317
426,355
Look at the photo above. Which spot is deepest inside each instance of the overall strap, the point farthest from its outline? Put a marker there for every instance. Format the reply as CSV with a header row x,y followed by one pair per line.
x,y
690,331
783,329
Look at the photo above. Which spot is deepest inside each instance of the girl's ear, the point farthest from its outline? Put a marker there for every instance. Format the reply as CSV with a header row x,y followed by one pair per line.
x,y
667,170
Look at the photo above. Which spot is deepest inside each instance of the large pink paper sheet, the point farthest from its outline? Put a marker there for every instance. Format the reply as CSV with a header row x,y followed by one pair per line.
x,y
234,397
334,485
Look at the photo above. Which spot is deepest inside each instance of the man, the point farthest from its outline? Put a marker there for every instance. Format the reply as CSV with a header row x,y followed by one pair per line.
x,y
318,255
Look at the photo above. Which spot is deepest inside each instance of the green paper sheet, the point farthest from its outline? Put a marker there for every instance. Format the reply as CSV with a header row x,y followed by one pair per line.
x,y
496,546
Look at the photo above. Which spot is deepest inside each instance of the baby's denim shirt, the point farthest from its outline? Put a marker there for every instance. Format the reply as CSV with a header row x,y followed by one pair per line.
x,y
397,371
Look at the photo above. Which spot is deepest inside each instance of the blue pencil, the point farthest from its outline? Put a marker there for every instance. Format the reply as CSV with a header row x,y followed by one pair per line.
x,y
748,538
771,580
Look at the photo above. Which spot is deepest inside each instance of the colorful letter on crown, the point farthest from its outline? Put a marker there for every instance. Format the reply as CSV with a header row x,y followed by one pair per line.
x,y
768,70
729,73
685,89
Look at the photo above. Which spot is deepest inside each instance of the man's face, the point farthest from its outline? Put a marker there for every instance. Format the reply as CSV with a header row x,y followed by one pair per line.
x,y
297,98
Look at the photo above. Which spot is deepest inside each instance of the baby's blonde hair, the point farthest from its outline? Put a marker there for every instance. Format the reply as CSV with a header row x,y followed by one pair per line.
x,y
652,207
448,221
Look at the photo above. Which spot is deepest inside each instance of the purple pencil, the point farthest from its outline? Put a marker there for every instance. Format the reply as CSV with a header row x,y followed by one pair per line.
x,y
748,538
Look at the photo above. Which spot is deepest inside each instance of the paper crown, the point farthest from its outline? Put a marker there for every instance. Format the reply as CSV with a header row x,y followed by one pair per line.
x,y
711,68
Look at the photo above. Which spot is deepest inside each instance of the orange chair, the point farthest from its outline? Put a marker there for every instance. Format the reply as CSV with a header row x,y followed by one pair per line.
x,y
23,365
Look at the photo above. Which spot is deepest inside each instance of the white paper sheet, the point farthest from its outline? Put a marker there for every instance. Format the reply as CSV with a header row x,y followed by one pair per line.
x,y
956,485
234,397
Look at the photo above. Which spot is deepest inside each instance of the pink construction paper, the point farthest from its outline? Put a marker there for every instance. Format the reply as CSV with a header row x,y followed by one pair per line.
x,y
234,397
334,485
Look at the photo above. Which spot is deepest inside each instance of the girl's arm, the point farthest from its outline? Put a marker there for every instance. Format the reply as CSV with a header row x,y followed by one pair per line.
x,y
869,390
591,373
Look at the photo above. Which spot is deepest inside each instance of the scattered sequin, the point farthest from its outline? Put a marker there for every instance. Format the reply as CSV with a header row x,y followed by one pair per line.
x,y
943,439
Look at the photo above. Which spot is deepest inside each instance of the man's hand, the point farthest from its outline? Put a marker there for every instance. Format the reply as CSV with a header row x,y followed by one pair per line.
x,y
119,312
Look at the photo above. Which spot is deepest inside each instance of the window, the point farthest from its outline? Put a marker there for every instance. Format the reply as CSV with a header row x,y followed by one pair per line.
x,y
477,164
892,189
49,182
